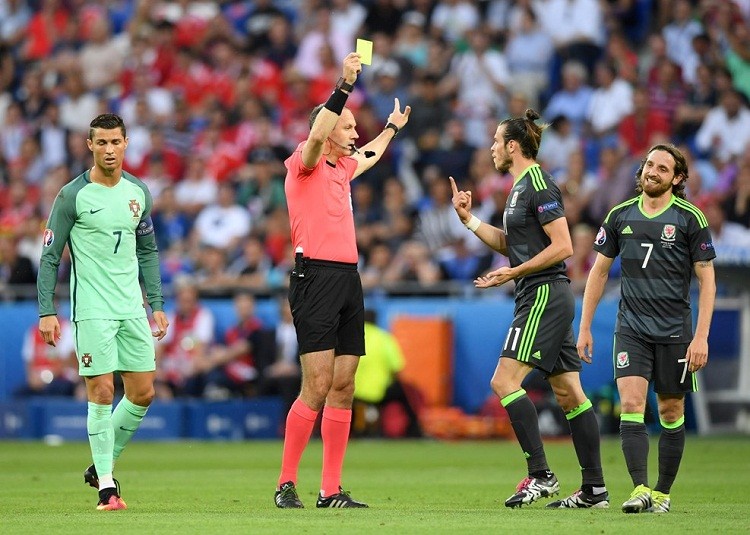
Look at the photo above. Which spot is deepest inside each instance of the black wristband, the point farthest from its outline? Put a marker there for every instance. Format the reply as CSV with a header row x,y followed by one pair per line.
x,y
336,101
342,84
393,127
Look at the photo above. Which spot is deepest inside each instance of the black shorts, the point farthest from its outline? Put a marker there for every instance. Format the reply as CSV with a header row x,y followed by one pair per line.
x,y
542,330
328,307
665,364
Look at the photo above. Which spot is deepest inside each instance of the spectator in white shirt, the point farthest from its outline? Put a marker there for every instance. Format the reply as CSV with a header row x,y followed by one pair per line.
x,y
224,224
725,131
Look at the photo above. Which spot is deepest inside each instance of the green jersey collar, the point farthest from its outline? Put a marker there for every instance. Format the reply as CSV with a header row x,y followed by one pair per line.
x,y
525,171
657,214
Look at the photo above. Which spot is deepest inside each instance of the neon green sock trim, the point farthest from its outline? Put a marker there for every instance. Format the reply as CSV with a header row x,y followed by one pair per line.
x,y
673,425
126,419
586,405
631,417
101,437
510,398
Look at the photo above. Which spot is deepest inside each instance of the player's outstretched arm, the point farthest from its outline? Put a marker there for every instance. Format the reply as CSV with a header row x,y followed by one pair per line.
x,y
492,236
375,148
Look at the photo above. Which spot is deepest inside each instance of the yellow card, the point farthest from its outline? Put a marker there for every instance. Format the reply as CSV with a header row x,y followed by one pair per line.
x,y
364,49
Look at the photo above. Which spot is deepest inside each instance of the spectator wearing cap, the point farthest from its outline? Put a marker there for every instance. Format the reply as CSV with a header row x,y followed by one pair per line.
x,y
387,86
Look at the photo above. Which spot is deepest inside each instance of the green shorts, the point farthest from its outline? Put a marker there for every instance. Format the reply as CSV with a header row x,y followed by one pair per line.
x,y
106,346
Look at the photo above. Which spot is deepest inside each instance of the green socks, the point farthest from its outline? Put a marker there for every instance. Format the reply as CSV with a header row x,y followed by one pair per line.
x,y
126,419
101,437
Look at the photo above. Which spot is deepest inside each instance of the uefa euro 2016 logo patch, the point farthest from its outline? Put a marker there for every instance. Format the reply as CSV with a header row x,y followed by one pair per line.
x,y
601,236
623,361
668,233
49,237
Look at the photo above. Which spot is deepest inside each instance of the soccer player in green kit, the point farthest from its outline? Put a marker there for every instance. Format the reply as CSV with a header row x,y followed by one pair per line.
x,y
104,215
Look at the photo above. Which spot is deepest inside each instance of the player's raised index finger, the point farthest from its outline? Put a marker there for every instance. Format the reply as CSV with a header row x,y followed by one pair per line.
x,y
453,185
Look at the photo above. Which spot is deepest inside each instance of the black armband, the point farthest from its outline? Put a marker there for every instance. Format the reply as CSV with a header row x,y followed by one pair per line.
x,y
336,101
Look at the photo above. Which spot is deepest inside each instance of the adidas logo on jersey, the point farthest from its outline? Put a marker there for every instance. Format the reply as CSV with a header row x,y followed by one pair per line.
x,y
627,230
536,355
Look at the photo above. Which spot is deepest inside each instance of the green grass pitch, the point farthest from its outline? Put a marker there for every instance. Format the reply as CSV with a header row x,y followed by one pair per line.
x,y
411,486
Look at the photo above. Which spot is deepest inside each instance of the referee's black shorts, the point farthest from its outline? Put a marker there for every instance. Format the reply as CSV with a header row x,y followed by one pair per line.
x,y
328,307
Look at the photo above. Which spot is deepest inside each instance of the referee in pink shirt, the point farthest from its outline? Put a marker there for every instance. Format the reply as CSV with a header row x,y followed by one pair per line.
x,y
325,292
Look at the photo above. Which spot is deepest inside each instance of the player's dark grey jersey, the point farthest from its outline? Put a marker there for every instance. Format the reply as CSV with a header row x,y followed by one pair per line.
x,y
534,201
658,254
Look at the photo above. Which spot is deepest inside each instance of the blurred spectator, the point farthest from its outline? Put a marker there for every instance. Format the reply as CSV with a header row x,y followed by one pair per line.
x,y
378,259
102,57
15,271
615,182
638,129
14,18
558,143
283,375
730,240
411,41
181,356
529,52
576,186
576,28
666,91
699,99
14,130
579,265
224,223
429,113
317,35
625,60
77,106
611,102
413,263
479,77
572,100
679,33
230,369
251,269
44,29
172,225
736,206
52,137
211,273
725,132
437,227
50,370
385,88
455,19
377,381
198,189
737,57
383,16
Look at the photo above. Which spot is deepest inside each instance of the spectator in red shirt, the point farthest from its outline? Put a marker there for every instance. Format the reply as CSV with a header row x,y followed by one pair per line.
x,y
639,130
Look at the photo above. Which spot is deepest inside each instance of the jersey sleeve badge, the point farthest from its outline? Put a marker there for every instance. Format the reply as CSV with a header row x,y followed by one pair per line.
x,y
48,238
601,236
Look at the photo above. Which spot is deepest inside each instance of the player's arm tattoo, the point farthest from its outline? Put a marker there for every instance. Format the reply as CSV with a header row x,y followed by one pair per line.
x,y
704,263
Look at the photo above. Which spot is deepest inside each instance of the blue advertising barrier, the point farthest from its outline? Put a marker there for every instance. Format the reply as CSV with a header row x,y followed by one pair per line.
x,y
17,420
234,420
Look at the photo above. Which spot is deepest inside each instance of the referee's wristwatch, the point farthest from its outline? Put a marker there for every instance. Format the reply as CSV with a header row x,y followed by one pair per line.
x,y
342,84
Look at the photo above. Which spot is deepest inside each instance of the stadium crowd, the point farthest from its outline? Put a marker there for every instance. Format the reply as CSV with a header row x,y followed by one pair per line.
x,y
215,95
